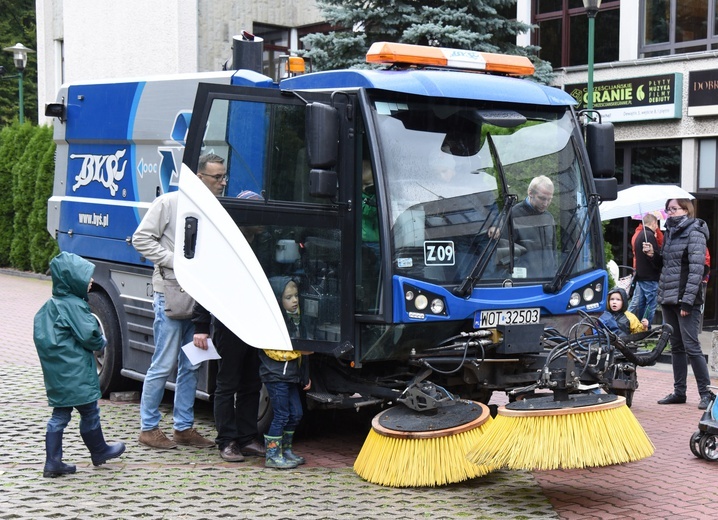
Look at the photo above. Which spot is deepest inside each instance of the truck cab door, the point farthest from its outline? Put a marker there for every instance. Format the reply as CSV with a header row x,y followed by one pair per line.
x,y
294,232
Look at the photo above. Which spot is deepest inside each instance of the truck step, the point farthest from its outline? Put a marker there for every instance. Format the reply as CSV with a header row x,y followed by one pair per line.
x,y
324,397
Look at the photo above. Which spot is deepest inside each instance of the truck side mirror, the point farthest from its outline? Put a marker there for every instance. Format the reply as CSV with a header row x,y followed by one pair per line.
x,y
322,135
601,147
323,183
607,189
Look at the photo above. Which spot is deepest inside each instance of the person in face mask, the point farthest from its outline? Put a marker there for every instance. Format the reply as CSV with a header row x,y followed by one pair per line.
x,y
682,262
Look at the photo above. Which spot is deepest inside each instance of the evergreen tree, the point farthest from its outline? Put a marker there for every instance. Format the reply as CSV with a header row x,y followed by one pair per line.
x,y
13,141
43,246
480,25
17,25
24,179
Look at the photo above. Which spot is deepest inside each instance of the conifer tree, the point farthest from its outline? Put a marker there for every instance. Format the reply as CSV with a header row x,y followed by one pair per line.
x,y
13,141
480,25
43,246
24,178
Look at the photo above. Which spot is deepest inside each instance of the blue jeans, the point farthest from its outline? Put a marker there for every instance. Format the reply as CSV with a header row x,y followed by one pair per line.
x,y
643,303
170,336
685,347
287,407
89,417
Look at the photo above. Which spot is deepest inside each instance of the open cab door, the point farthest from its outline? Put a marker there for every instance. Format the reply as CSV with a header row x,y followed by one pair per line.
x,y
214,263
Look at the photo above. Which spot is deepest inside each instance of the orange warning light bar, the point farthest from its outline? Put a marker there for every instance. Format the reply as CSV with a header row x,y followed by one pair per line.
x,y
385,52
295,65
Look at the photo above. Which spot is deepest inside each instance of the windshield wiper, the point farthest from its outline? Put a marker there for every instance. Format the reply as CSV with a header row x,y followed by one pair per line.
x,y
504,219
562,275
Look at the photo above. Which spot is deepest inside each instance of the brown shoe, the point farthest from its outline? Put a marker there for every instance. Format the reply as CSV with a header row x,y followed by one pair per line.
x,y
156,439
253,449
190,437
231,453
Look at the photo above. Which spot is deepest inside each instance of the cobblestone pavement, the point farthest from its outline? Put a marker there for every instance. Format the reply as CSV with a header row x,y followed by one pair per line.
x,y
190,483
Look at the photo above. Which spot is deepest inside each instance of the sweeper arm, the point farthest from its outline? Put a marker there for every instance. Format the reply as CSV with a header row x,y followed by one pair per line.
x,y
644,359
423,396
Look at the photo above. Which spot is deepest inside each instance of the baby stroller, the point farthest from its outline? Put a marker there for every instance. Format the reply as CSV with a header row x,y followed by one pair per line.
x,y
704,442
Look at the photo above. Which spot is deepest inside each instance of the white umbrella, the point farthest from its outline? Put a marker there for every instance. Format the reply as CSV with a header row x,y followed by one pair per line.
x,y
641,199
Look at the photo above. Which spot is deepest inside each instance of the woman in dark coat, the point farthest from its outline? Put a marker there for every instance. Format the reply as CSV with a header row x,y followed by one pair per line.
x,y
682,263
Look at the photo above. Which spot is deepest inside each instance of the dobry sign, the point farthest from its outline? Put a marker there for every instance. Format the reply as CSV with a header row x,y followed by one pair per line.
x,y
703,92
633,99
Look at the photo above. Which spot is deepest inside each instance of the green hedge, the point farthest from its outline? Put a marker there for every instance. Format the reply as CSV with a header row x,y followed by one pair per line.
x,y
27,165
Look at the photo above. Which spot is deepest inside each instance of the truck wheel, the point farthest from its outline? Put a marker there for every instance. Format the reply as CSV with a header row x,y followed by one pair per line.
x,y
709,447
266,414
109,360
695,443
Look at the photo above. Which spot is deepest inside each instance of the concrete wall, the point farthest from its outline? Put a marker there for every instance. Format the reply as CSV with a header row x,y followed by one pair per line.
x,y
81,40
220,20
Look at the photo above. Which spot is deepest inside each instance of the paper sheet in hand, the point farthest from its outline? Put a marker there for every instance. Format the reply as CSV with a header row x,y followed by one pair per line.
x,y
197,355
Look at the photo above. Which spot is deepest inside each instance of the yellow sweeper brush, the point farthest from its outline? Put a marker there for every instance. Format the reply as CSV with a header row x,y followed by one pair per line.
x,y
541,433
408,448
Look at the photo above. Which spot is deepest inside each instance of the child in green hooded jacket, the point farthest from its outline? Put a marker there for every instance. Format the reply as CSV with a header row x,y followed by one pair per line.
x,y
66,335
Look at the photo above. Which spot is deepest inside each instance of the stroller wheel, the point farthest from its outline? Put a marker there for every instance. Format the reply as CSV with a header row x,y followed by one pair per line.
x,y
695,443
709,447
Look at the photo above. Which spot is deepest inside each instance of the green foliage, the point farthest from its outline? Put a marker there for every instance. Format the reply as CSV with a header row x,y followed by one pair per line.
x,y
12,147
480,25
17,25
6,212
43,247
26,179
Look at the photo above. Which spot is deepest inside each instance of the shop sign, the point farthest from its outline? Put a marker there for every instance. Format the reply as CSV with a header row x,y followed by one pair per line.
x,y
633,99
703,92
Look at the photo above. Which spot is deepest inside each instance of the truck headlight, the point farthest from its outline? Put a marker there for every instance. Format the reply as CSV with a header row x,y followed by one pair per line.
x,y
421,302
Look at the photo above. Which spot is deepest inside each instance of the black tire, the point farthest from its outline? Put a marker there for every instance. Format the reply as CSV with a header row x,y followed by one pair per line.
x,y
266,414
695,443
109,360
709,447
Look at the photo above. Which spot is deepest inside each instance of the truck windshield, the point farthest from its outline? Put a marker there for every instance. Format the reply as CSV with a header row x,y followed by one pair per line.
x,y
450,169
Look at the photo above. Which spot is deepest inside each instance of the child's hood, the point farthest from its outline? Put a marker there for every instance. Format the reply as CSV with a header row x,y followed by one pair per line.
x,y
624,298
279,283
71,274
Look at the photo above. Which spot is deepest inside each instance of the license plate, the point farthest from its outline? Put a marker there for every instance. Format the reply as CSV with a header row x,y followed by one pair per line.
x,y
487,319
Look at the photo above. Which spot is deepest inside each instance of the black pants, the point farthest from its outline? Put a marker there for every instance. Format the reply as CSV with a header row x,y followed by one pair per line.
x,y
236,396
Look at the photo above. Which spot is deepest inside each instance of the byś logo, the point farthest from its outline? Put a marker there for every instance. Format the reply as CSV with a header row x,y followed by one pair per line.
x,y
104,169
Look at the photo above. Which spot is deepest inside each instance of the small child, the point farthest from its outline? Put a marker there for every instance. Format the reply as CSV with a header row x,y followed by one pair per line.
x,y
282,372
618,319
66,334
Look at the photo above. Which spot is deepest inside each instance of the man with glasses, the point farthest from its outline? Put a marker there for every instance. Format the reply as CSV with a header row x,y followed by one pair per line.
x,y
154,240
213,173
535,229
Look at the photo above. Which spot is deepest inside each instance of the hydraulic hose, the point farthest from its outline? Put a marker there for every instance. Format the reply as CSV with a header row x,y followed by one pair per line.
x,y
644,359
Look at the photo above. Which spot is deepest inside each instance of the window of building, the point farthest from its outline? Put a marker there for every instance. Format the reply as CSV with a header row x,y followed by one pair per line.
x,y
707,161
563,31
278,42
678,27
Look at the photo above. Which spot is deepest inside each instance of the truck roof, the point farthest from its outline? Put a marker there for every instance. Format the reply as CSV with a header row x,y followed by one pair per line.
x,y
437,83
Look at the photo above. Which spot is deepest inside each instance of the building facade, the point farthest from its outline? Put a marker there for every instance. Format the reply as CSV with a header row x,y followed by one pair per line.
x,y
656,79
80,40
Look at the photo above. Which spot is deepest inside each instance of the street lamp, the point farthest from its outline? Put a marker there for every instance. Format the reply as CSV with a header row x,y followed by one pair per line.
x,y
591,10
19,56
